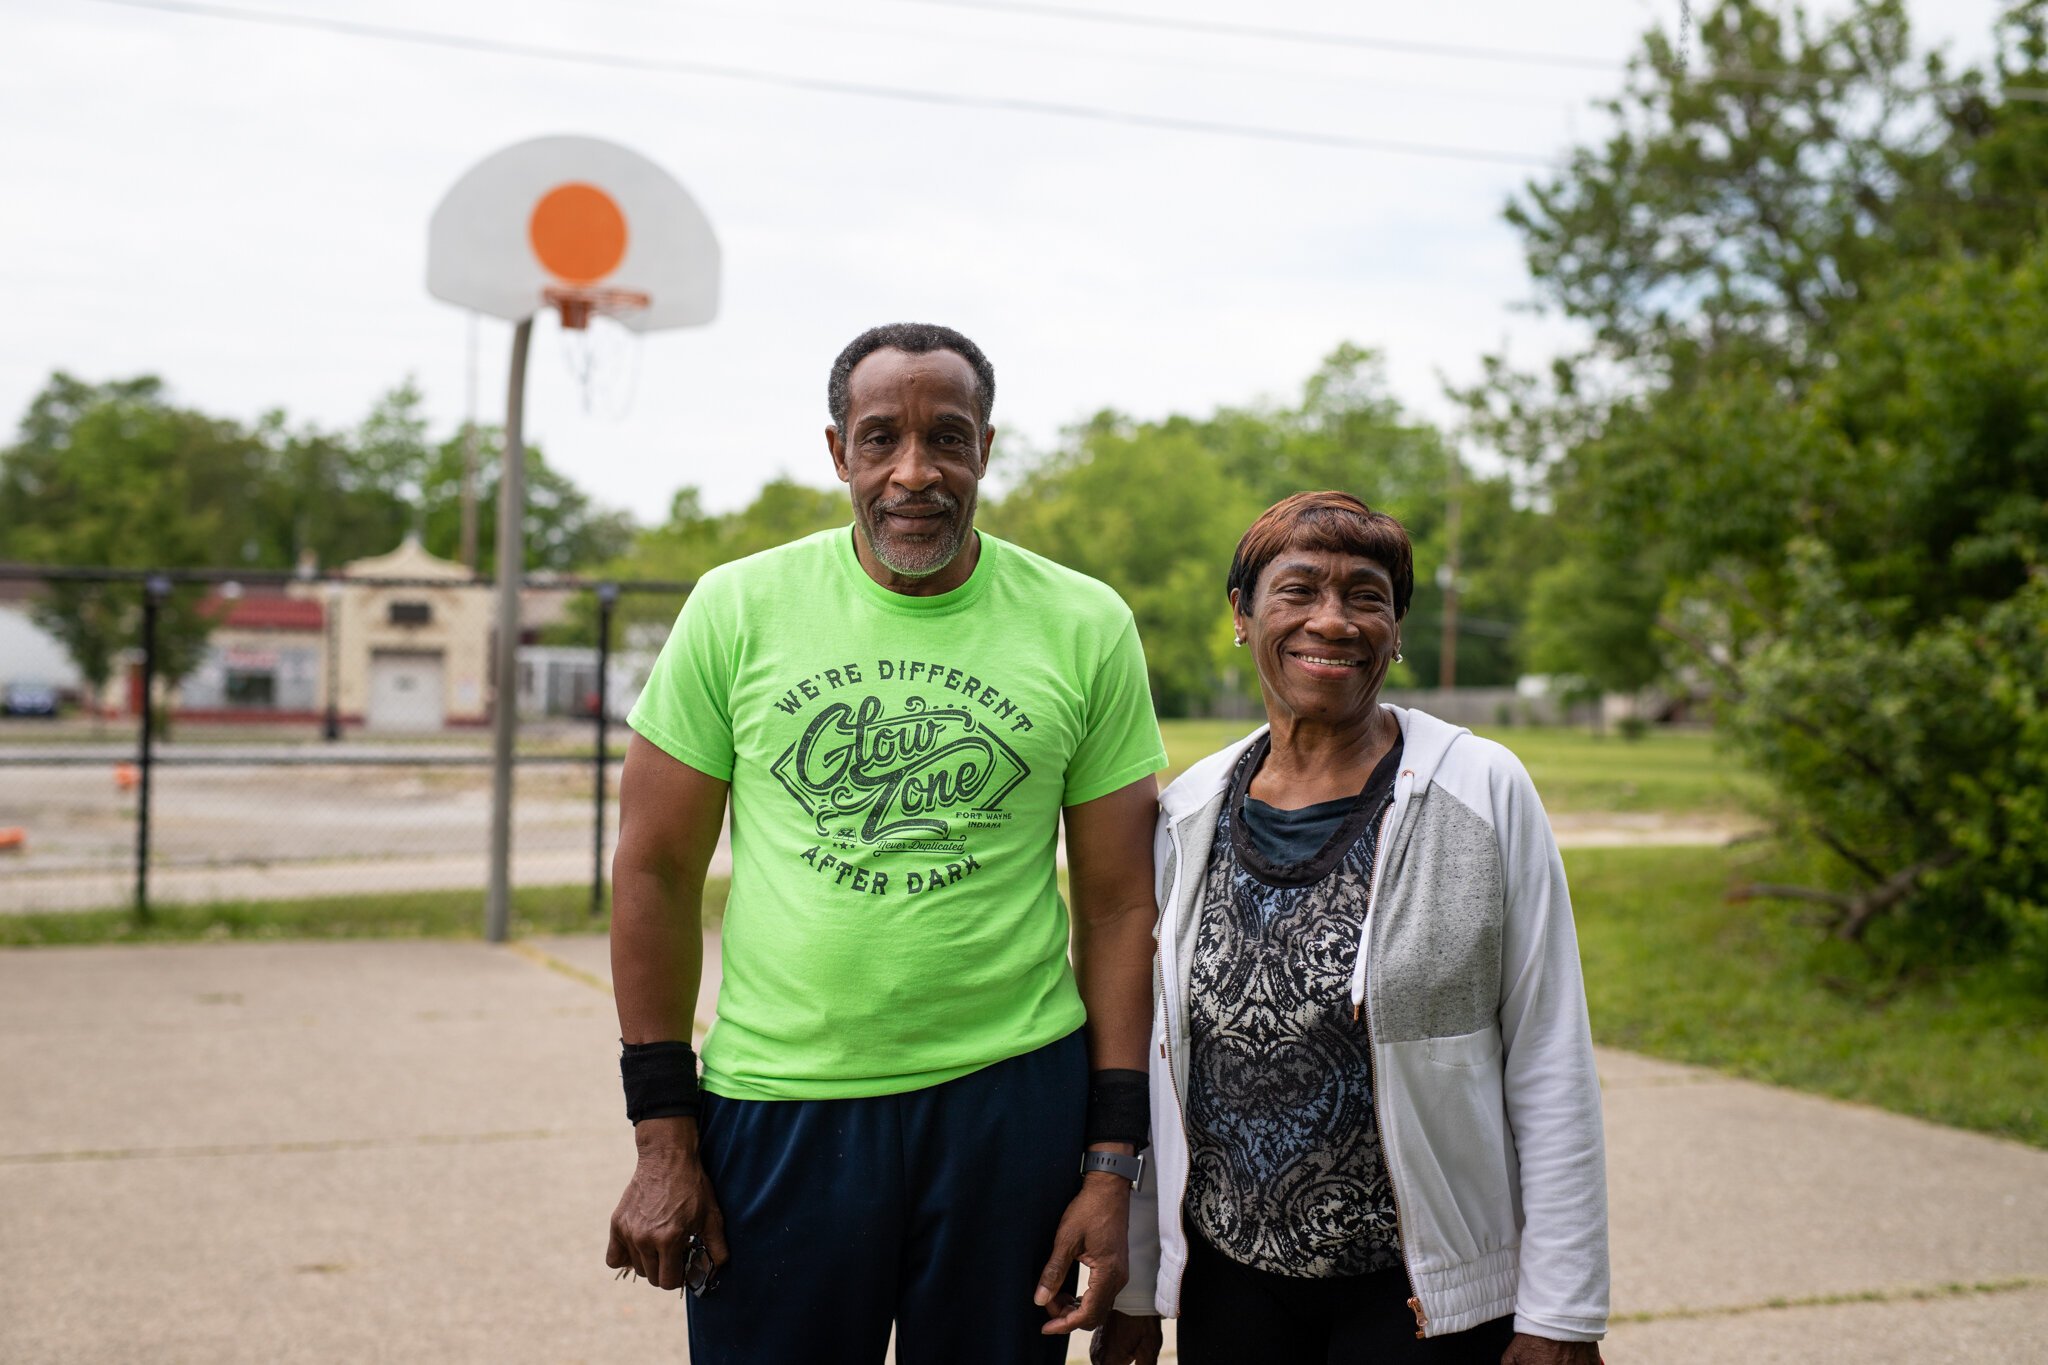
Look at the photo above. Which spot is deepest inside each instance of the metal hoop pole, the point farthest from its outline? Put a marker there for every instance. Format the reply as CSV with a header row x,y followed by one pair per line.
x,y
154,589
511,574
607,599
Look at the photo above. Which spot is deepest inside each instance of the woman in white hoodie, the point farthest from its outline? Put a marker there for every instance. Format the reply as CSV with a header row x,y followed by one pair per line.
x,y
1376,1124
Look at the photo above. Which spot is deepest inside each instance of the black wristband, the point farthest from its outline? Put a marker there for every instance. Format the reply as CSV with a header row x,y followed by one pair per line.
x,y
660,1080
1119,1109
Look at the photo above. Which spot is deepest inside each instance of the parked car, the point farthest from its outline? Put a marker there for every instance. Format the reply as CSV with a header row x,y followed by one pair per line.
x,y
28,699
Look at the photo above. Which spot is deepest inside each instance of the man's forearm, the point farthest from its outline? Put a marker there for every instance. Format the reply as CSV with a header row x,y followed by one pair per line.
x,y
657,945
1113,968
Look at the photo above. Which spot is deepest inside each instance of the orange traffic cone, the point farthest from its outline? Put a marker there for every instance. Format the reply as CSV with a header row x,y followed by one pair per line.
x,y
13,838
126,777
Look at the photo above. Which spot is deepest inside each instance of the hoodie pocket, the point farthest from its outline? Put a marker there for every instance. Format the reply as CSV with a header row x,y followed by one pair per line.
x,y
1466,1050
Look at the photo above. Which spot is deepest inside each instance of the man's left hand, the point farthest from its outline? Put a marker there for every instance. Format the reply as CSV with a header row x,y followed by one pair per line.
x,y
1096,1232
1528,1350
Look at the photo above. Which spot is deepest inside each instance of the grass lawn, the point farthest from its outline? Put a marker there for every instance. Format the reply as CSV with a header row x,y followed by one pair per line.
x,y
1674,971
1681,772
418,914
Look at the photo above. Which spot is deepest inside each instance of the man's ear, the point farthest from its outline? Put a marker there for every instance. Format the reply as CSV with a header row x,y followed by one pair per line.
x,y
988,441
838,449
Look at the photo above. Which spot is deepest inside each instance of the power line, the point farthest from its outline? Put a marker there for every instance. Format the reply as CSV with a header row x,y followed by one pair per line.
x,y
823,85
1042,9
1318,37
1150,55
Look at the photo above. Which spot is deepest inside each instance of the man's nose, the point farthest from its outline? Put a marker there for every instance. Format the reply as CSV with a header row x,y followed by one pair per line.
x,y
915,469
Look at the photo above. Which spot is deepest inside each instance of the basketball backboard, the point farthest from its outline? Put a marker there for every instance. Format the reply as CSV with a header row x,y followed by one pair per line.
x,y
580,223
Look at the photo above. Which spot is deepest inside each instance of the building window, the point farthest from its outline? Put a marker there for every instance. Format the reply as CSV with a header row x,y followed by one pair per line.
x,y
412,613
252,689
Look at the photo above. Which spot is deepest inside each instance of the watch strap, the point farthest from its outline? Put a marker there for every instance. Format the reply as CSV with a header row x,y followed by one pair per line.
x,y
1130,1168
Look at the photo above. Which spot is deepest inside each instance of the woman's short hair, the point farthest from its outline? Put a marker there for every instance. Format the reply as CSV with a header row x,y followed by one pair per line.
x,y
1331,521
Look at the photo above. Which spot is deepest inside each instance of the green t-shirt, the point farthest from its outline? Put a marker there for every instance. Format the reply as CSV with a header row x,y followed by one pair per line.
x,y
898,765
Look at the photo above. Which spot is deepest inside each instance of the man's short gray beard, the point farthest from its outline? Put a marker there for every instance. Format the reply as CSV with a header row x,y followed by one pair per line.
x,y
920,561
917,562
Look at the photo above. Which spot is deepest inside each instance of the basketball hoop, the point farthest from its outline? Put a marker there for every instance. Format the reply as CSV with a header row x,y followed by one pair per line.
x,y
576,304
592,352
603,360
554,220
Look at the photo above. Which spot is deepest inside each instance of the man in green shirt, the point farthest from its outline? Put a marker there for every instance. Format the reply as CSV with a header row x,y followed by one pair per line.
x,y
907,1078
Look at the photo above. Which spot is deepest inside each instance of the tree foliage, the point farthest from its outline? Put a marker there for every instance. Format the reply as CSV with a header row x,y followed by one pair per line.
x,y
692,541
116,475
1803,459
1155,509
113,475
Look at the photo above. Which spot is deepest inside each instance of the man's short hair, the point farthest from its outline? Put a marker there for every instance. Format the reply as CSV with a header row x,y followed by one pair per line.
x,y
1332,521
918,338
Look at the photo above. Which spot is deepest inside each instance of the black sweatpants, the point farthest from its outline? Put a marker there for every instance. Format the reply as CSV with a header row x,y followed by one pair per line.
x,y
933,1210
1231,1314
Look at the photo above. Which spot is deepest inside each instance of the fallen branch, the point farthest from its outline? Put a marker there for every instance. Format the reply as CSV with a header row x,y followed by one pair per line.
x,y
1855,909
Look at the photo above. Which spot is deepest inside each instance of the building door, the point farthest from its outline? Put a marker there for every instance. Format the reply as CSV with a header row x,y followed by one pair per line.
x,y
405,690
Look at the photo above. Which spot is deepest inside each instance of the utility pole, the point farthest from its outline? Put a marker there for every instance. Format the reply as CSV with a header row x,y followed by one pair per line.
x,y
1447,579
469,461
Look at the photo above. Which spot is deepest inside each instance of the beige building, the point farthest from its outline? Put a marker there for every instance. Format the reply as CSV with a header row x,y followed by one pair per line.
x,y
411,655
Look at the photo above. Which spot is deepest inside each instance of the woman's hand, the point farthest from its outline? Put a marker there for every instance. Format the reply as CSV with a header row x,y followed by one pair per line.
x,y
1528,1350
1126,1340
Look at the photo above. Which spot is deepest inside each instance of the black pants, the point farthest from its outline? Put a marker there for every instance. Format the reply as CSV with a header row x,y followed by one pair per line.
x,y
932,1210
1232,1314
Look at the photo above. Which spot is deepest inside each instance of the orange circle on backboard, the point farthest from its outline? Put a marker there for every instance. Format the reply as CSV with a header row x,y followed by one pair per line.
x,y
578,233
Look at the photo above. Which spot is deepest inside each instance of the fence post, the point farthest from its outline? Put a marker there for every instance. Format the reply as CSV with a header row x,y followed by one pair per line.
x,y
154,589
607,599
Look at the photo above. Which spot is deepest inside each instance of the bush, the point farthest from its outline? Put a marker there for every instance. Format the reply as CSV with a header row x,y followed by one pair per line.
x,y
1915,750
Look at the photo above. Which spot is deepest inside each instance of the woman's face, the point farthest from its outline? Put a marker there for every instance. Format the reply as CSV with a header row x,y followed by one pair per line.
x,y
1321,627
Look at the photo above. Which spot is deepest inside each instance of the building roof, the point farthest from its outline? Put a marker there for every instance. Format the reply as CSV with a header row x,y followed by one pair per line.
x,y
409,560
266,613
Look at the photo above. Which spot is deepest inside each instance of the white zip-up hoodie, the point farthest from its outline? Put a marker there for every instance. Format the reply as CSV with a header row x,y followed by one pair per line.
x,y
1468,979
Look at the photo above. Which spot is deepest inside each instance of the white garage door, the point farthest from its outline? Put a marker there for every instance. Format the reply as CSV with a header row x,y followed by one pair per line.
x,y
405,691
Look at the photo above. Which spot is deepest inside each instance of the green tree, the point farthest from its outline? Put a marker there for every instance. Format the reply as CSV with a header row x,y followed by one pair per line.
x,y
565,531
691,542
1151,512
1594,628
1815,450
114,476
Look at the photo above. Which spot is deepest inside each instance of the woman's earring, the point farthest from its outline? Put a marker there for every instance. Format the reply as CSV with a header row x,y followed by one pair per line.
x,y
1397,654
1239,642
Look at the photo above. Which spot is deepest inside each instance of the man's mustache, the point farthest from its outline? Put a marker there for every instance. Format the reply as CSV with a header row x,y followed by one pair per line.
x,y
942,502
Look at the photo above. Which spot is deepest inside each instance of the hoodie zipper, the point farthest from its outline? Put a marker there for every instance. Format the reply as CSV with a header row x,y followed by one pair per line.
x,y
1372,896
1180,1112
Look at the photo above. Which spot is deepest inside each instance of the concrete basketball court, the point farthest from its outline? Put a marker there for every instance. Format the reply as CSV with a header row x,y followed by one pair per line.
x,y
408,1150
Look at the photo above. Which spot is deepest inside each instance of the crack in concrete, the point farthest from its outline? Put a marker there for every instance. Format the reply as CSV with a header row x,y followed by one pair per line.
x,y
1909,1294
1954,1289
300,1148
541,958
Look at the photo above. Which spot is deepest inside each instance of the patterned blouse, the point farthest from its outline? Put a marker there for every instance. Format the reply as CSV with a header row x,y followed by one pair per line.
x,y
1286,1174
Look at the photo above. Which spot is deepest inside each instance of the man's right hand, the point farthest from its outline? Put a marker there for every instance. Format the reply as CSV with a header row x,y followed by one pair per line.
x,y
1126,1340
668,1199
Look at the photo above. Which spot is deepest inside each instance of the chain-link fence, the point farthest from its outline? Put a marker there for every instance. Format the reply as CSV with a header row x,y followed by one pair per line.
x,y
253,738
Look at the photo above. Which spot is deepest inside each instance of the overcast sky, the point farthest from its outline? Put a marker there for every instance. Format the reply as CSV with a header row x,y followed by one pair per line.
x,y
242,207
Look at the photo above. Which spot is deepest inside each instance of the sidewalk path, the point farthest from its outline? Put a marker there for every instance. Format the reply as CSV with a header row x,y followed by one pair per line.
x,y
407,1151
